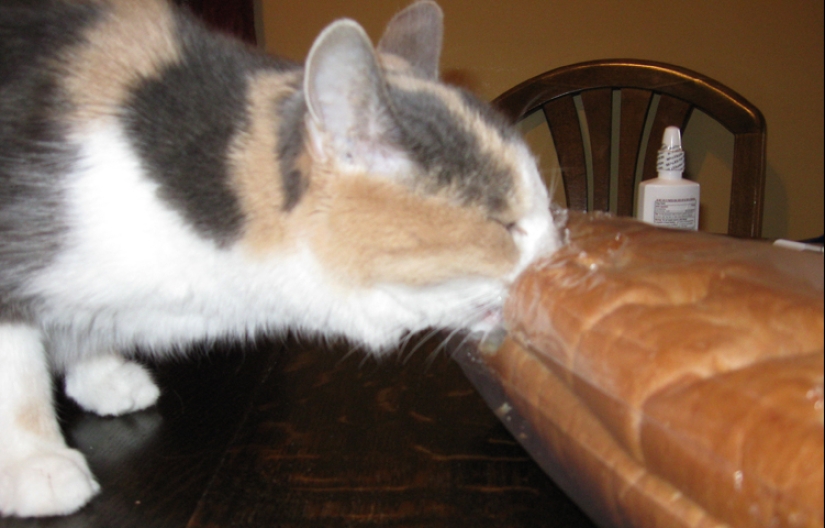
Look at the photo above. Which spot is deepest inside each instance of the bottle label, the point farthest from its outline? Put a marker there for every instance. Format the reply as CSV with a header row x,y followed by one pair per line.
x,y
679,213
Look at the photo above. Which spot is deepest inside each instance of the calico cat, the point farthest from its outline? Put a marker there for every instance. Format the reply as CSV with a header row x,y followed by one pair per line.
x,y
161,184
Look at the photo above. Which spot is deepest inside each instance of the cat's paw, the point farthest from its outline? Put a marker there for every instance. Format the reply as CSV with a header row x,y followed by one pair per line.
x,y
55,482
111,386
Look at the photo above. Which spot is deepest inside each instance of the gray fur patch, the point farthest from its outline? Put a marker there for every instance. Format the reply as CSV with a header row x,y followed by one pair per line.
x,y
34,153
290,144
449,153
183,123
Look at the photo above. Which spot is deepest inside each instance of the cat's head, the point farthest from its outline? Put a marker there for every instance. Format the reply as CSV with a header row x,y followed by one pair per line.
x,y
425,203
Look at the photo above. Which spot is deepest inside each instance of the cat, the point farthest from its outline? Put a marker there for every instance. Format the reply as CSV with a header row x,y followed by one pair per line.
x,y
161,184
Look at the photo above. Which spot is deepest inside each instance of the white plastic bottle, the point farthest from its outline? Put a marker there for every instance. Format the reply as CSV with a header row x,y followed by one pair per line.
x,y
669,200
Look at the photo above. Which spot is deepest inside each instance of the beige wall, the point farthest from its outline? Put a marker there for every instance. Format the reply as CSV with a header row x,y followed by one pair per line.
x,y
770,51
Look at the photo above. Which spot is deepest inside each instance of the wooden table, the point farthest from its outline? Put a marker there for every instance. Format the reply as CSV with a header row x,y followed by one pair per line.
x,y
295,434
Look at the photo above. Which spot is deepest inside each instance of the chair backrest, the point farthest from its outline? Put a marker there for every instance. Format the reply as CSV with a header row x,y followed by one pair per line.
x,y
678,91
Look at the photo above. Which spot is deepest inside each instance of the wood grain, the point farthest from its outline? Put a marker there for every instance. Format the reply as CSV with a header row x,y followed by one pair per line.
x,y
297,434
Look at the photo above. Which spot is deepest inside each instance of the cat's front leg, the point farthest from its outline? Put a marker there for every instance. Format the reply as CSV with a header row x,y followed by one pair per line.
x,y
39,474
109,385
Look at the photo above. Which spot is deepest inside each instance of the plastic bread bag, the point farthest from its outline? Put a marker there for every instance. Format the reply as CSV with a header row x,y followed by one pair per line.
x,y
666,378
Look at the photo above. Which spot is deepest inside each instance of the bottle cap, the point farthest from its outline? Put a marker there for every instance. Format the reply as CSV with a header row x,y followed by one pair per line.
x,y
670,161
672,138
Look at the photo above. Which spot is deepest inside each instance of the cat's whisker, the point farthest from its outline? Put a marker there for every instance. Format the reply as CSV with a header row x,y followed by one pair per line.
x,y
442,346
469,337
352,350
419,343
406,340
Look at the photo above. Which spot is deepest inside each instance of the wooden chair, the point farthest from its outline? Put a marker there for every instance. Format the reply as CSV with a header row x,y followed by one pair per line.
x,y
679,91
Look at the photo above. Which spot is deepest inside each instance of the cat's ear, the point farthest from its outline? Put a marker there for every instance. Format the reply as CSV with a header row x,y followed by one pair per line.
x,y
415,35
346,95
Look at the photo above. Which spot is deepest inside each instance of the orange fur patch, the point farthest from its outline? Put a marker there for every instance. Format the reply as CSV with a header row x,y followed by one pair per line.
x,y
254,164
134,39
38,419
380,232
490,142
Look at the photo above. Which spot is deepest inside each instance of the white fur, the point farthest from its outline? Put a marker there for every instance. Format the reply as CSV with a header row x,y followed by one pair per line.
x,y
135,273
39,474
109,385
536,233
52,480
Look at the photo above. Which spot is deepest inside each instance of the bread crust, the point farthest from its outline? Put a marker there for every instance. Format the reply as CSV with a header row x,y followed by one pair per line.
x,y
676,377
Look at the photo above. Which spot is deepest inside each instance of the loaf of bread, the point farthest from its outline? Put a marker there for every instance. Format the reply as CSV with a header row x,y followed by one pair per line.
x,y
671,378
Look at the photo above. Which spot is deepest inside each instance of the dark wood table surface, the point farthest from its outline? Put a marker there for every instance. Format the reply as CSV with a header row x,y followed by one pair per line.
x,y
295,434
